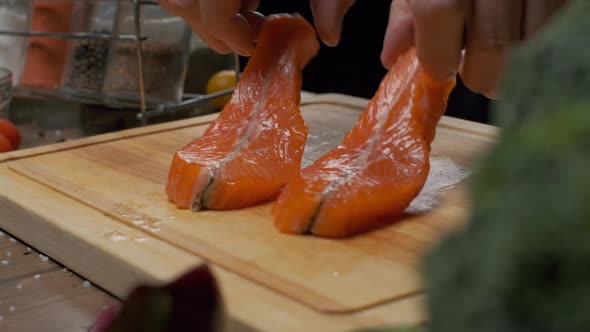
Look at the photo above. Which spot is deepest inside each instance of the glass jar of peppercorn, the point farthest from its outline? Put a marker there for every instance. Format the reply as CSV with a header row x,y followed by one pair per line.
x,y
87,58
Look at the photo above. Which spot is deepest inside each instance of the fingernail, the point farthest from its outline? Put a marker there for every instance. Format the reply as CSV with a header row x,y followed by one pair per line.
x,y
327,39
386,60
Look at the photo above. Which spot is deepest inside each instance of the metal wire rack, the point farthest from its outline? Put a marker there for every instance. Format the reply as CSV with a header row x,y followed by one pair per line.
x,y
145,111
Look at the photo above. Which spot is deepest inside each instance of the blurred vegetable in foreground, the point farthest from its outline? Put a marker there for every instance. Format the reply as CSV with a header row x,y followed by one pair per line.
x,y
523,263
191,303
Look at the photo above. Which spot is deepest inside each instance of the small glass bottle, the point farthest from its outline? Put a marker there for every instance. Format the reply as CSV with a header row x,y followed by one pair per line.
x,y
164,56
14,17
87,58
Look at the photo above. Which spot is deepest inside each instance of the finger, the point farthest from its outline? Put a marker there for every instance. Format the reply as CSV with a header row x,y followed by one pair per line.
x,y
482,69
538,13
329,17
214,43
255,20
439,27
494,27
224,21
399,36
190,12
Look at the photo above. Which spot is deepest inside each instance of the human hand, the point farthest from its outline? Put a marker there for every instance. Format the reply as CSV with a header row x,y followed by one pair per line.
x,y
471,37
225,25
329,17
231,25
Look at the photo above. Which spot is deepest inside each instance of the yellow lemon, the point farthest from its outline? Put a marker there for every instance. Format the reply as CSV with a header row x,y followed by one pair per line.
x,y
223,80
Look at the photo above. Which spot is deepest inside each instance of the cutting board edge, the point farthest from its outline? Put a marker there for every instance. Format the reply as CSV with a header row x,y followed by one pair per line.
x,y
475,128
13,214
307,99
108,137
123,134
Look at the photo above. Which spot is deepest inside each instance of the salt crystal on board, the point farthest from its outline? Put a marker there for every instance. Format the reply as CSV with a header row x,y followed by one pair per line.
x,y
12,240
1,318
8,254
86,283
5,262
19,286
37,276
1,233
12,308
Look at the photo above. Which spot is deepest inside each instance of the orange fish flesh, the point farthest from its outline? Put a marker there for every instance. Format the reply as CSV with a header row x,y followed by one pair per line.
x,y
255,146
380,166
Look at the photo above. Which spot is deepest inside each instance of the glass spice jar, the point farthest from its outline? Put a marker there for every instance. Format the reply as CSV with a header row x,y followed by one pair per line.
x,y
14,17
164,56
87,58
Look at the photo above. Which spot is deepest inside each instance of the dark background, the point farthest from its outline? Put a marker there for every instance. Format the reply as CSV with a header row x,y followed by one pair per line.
x,y
354,67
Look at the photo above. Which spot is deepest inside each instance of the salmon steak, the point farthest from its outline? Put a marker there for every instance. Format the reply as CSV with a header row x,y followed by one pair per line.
x,y
254,147
380,166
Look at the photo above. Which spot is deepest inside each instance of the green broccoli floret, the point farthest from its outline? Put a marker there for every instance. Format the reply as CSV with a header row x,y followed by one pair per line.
x,y
523,263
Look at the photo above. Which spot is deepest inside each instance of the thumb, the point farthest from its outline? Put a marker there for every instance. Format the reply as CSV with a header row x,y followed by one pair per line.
x,y
329,17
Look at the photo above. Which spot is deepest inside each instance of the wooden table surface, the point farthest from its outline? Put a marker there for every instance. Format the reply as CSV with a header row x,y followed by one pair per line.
x,y
38,294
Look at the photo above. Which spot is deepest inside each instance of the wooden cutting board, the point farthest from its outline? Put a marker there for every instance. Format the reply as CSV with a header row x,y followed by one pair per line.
x,y
123,178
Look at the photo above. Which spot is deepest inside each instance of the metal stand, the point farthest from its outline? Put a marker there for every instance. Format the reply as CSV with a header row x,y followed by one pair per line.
x,y
145,112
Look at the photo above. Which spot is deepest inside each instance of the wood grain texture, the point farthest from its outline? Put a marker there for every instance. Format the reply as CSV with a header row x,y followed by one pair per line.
x,y
124,179
54,223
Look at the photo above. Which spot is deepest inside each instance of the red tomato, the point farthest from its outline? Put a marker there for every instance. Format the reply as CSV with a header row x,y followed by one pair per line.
x,y
9,130
5,145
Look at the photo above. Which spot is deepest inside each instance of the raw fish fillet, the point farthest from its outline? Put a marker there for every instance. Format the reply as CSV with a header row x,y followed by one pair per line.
x,y
380,166
255,146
